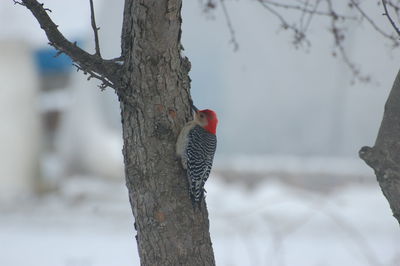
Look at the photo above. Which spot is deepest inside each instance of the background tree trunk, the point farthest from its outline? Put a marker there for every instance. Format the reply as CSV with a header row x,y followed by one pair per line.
x,y
154,108
384,157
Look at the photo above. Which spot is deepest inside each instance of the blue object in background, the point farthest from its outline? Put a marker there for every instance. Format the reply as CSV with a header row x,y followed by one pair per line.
x,y
48,64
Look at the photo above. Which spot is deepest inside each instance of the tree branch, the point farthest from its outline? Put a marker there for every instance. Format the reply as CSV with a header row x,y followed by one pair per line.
x,y
372,23
105,83
339,37
95,29
107,69
299,35
230,27
18,3
307,8
389,17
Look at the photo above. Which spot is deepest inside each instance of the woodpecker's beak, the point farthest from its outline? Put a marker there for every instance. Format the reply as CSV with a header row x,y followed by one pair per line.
x,y
194,107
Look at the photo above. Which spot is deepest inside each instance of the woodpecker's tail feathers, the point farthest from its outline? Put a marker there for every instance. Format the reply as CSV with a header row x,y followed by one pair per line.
x,y
198,200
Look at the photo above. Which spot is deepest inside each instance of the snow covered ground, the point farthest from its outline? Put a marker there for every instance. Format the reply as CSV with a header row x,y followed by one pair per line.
x,y
88,222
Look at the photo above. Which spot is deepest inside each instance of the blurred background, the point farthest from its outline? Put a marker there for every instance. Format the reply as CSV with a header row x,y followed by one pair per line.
x,y
287,186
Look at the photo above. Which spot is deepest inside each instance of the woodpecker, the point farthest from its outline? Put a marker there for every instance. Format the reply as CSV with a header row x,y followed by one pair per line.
x,y
196,147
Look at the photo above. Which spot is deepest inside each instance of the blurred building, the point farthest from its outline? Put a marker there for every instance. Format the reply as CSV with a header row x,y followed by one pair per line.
x,y
20,123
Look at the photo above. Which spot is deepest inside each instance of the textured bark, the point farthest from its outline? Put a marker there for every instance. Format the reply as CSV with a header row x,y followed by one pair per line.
x,y
153,88
154,109
384,157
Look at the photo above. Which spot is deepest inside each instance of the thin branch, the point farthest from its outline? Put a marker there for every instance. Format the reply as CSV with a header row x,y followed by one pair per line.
x,y
304,9
107,69
230,27
339,37
279,16
46,9
95,29
396,7
303,14
355,235
371,22
311,15
58,54
299,35
389,17
18,3
105,82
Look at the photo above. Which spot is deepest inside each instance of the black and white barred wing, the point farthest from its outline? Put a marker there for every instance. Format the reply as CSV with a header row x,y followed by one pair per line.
x,y
200,154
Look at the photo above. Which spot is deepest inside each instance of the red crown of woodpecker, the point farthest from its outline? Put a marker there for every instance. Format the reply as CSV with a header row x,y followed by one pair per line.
x,y
212,120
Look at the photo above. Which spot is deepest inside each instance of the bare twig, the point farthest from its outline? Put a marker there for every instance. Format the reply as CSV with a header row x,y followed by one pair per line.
x,y
371,22
299,35
46,9
313,8
95,29
278,15
105,69
208,5
58,53
339,37
303,14
230,27
18,3
307,8
389,17
311,15
358,239
105,82
396,6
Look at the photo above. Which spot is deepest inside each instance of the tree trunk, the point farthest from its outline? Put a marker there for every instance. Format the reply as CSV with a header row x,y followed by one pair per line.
x,y
153,88
154,108
384,157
